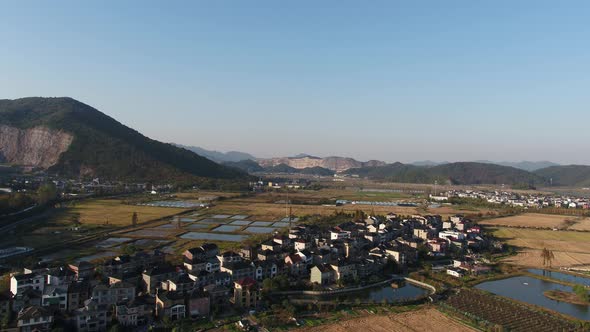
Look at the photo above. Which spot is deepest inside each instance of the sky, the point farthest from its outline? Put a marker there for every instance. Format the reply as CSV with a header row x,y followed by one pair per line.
x,y
388,80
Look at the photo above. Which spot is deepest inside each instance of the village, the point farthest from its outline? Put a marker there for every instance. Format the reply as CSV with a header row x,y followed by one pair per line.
x,y
514,199
146,289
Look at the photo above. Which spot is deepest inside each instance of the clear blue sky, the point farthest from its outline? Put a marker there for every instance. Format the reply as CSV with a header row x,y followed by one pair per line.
x,y
390,80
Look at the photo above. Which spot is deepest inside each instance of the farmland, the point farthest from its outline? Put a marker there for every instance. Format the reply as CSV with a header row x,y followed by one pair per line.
x,y
493,312
112,212
570,248
426,319
538,220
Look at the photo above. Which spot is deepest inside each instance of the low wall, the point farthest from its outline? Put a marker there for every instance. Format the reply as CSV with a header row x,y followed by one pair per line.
x,y
337,291
420,284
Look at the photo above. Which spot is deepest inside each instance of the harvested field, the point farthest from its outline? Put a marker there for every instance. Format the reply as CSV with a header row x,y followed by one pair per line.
x,y
113,212
570,248
428,319
538,220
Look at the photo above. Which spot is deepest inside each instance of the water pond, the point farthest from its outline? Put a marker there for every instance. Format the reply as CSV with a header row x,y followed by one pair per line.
x,y
530,290
377,294
561,276
214,237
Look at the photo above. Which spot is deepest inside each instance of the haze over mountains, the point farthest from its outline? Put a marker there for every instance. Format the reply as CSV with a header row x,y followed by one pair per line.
x,y
67,137
525,173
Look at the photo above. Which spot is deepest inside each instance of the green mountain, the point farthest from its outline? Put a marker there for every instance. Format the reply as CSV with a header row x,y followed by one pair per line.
x,y
220,157
455,173
70,138
570,175
249,166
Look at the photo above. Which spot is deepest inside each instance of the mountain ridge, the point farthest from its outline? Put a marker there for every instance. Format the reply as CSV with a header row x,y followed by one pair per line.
x,y
103,147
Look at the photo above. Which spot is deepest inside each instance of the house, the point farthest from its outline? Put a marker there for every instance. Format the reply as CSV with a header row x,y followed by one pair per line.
x,y
83,270
77,293
344,270
170,304
34,318
22,281
26,298
229,257
296,264
322,274
135,312
247,293
60,276
91,318
457,273
55,297
121,291
199,304
218,295
250,252
180,283
114,293
153,277
239,269
265,269
301,244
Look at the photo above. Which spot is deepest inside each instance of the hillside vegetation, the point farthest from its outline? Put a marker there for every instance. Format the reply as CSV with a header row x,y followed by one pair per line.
x,y
571,175
105,148
454,173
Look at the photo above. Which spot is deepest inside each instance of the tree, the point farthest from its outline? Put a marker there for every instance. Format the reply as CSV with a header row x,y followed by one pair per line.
x,y
582,293
134,219
5,321
547,256
75,219
46,193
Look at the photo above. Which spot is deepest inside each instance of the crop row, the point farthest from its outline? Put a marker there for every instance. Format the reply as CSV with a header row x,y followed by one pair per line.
x,y
486,309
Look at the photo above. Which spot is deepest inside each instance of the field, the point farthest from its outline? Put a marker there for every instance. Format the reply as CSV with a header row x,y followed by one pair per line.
x,y
570,248
499,312
427,319
537,220
113,212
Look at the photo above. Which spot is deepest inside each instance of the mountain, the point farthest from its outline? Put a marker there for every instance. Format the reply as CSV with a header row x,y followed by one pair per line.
x,y
217,156
249,166
454,173
67,137
428,163
336,164
570,175
530,166
524,165
283,168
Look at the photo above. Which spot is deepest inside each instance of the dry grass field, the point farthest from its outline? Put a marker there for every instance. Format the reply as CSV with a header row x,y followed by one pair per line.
x,y
538,220
570,248
113,212
427,319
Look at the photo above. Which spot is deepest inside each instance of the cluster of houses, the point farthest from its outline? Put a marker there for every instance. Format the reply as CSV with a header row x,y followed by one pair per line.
x,y
139,289
517,199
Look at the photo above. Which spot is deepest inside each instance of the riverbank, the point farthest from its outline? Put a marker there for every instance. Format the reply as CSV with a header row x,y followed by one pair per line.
x,y
562,296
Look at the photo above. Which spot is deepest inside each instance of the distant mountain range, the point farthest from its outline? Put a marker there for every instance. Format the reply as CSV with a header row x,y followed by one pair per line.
x,y
525,165
67,137
220,157
524,173
336,164
570,175
451,173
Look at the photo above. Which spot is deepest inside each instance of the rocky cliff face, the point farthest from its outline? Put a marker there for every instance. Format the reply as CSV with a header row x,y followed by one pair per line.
x,y
38,146
337,164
